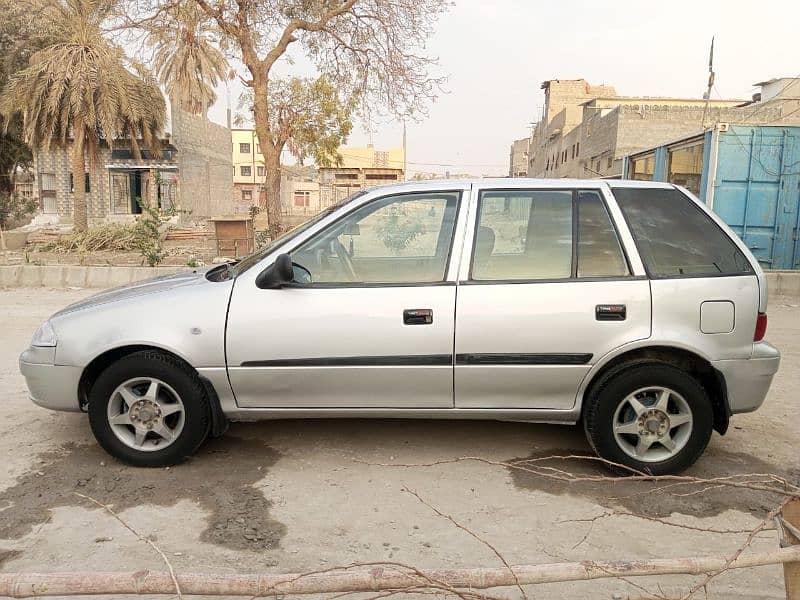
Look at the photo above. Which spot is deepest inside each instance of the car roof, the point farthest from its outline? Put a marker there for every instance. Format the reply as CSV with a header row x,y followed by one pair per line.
x,y
517,182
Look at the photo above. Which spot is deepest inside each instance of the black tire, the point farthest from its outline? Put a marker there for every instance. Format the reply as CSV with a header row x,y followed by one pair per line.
x,y
606,394
175,373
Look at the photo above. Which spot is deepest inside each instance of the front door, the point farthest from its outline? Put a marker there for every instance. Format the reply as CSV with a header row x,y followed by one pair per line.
x,y
548,292
374,327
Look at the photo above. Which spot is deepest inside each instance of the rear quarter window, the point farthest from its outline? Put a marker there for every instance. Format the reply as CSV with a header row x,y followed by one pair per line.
x,y
676,238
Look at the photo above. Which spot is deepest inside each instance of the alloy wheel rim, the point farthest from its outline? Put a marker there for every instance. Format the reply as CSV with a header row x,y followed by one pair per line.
x,y
652,424
146,414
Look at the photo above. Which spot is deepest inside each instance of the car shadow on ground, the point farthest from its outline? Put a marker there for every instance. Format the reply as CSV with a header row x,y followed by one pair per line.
x,y
222,476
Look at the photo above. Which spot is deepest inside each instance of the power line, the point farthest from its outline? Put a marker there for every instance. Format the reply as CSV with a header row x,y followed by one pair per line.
x,y
433,164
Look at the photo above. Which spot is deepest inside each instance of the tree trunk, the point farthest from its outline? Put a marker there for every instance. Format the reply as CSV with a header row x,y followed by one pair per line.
x,y
272,186
270,151
369,578
79,217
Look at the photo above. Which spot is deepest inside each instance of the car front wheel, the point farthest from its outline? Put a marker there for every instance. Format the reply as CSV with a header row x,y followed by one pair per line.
x,y
652,417
149,409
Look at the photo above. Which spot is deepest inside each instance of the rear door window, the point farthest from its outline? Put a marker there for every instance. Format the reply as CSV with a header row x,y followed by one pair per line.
x,y
676,238
523,235
530,235
599,251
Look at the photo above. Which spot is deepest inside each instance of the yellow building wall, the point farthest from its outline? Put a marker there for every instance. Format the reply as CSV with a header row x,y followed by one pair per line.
x,y
354,157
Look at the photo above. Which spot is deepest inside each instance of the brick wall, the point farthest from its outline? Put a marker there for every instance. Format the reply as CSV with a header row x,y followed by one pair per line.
x,y
56,161
205,165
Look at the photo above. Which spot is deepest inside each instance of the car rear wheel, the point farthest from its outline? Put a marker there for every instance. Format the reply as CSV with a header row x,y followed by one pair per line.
x,y
149,409
651,417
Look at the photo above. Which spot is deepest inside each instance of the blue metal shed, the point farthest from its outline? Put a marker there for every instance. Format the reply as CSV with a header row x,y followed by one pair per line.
x,y
748,174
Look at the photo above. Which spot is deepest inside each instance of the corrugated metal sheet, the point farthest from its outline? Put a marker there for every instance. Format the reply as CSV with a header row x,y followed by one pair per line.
x,y
757,190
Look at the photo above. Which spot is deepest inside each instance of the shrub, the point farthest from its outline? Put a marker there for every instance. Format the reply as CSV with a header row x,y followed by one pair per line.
x,y
14,208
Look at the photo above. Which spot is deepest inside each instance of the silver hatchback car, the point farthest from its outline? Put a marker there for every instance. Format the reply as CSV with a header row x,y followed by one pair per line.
x,y
626,306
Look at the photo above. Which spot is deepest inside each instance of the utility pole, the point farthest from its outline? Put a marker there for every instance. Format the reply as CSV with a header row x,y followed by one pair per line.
x,y
710,81
405,153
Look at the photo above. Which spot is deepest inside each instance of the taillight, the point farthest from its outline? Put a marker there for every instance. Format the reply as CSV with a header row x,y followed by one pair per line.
x,y
761,327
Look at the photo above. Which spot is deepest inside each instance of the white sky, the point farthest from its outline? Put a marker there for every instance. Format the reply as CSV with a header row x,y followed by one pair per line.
x,y
497,53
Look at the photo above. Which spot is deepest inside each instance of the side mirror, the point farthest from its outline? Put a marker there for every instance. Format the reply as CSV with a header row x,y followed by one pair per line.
x,y
277,275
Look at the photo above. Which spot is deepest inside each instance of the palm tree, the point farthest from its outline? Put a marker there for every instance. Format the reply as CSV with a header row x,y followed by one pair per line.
x,y
186,61
80,90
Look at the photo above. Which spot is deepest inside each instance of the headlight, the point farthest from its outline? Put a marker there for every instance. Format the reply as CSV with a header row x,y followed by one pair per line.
x,y
44,337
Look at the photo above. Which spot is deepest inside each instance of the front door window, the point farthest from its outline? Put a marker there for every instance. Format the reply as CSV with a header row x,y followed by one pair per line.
x,y
397,239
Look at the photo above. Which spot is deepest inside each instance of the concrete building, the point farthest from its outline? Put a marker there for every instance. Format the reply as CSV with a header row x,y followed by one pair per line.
x,y
360,168
518,158
306,190
192,174
299,185
586,130
300,196
249,173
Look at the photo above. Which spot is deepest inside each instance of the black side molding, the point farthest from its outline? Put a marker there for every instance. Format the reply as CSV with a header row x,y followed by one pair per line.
x,y
358,361
523,359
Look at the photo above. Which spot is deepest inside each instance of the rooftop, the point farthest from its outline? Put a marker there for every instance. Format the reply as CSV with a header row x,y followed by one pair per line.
x,y
668,99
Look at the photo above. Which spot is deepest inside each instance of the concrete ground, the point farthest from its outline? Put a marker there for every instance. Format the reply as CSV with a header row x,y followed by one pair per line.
x,y
304,495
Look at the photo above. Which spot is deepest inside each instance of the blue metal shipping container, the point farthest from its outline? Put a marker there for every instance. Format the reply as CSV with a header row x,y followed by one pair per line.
x,y
749,175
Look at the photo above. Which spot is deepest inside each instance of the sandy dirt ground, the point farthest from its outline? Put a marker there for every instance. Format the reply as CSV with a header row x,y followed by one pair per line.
x,y
288,496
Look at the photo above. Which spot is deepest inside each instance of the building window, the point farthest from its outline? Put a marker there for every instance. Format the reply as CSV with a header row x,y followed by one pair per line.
x,y
258,148
24,189
346,176
381,176
642,168
260,171
47,191
685,166
609,162
87,186
245,170
577,148
247,196
302,198
244,148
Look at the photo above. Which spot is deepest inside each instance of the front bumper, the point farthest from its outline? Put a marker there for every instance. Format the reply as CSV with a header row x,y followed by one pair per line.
x,y
51,386
748,379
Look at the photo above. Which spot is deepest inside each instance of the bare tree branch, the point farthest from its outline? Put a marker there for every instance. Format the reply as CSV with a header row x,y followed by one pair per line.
x,y
147,540
472,534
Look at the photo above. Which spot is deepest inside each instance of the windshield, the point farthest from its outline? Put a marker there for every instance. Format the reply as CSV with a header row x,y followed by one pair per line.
x,y
248,261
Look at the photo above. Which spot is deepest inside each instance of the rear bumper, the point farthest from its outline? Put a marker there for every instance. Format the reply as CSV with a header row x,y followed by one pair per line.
x,y
51,386
748,379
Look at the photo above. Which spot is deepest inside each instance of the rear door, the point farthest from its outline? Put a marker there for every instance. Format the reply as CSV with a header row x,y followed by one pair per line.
x,y
546,291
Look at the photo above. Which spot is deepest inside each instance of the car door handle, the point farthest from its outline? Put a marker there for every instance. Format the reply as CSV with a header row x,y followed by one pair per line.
x,y
610,312
418,316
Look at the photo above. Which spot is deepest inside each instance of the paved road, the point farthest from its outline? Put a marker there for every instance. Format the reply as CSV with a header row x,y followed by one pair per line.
x,y
304,495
